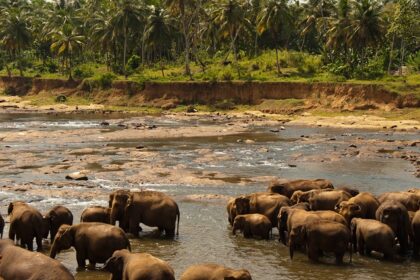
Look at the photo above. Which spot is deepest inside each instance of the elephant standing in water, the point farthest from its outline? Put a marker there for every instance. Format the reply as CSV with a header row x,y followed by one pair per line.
x,y
321,236
264,203
214,272
93,241
415,227
26,223
363,205
57,216
369,234
127,266
117,204
287,188
20,264
154,209
97,214
253,225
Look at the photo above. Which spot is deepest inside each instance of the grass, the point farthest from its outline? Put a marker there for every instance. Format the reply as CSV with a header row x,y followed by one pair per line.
x,y
398,114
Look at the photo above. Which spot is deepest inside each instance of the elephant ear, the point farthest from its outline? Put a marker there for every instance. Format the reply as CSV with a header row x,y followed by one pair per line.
x,y
10,208
111,199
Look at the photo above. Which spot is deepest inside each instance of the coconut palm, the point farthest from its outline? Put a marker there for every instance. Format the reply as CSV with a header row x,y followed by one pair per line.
x,y
274,18
231,16
15,33
367,26
66,42
339,31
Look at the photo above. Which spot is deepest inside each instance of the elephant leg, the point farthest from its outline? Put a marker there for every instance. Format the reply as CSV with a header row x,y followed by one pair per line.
x,y
361,246
313,253
169,232
339,257
30,245
39,243
92,265
81,259
12,232
402,239
368,251
134,226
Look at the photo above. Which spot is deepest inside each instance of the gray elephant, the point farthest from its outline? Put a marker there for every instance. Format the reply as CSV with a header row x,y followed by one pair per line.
x,y
264,203
152,208
214,272
304,196
319,237
415,227
128,266
363,205
95,242
118,203
20,264
1,226
253,225
409,199
288,187
371,235
328,200
55,217
395,215
97,214
26,224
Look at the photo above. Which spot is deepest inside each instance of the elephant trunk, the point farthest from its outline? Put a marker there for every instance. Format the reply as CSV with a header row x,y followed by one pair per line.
x,y
291,249
114,214
282,237
54,250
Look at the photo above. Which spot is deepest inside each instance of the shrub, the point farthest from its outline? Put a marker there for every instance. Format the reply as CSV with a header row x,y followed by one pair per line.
x,y
134,62
373,69
414,61
227,76
105,80
89,85
255,67
225,105
83,72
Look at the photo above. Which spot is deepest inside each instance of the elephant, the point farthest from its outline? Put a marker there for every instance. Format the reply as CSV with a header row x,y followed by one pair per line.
x,y
289,218
117,203
253,225
141,266
301,205
268,204
328,200
410,200
287,188
98,214
214,272
93,241
321,236
395,215
370,234
20,264
352,191
26,223
415,227
1,226
304,196
57,216
231,209
363,205
154,209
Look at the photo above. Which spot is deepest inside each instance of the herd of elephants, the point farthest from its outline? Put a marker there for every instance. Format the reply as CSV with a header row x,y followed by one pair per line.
x,y
311,216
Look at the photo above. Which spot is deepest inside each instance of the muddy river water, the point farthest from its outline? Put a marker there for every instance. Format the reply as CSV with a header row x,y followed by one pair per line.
x,y
220,166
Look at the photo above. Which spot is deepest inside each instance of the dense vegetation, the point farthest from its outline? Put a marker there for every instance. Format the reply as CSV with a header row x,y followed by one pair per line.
x,y
209,40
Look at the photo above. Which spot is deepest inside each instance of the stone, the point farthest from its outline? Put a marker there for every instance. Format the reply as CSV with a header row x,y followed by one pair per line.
x,y
79,176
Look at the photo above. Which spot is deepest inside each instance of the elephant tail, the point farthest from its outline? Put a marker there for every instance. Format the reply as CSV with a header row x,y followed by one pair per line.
x,y
351,252
178,217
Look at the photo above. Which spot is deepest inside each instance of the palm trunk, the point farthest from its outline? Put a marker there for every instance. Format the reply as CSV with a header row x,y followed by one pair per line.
x,y
391,54
70,68
125,48
277,62
187,46
235,55
401,57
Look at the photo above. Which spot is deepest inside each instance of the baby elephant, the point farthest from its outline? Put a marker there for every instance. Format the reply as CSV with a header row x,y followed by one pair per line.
x,y
321,236
369,234
252,225
127,266
98,214
415,225
93,241
214,272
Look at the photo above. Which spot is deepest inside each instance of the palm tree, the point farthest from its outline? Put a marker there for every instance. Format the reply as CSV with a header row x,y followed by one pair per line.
x,y
367,25
127,17
157,35
339,31
15,33
231,16
274,17
65,43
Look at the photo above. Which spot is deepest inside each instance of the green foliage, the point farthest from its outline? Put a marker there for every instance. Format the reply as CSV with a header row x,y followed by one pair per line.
x,y
83,72
414,61
105,80
227,76
373,69
134,62
226,104
10,90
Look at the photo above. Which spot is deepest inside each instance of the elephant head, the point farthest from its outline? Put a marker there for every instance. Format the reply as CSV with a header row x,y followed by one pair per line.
x,y
237,274
63,240
14,204
118,204
296,197
46,226
242,205
348,210
231,209
115,264
282,223
297,236
238,224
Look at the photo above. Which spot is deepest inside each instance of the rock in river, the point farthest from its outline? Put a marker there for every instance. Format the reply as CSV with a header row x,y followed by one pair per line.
x,y
80,176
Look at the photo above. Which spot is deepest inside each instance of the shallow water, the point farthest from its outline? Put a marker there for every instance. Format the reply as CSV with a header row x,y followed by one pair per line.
x,y
204,232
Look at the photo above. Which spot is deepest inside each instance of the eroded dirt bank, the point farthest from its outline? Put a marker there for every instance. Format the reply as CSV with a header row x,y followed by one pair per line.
x,y
341,96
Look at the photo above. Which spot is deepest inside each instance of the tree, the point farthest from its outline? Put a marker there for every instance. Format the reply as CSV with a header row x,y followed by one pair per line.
x,y
65,43
15,33
274,18
231,16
